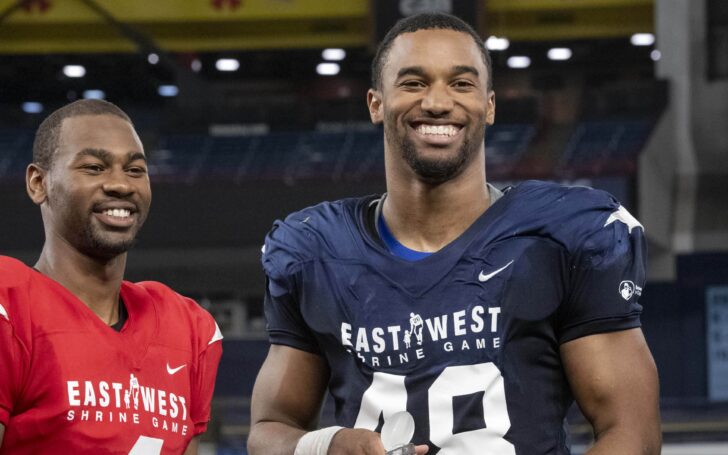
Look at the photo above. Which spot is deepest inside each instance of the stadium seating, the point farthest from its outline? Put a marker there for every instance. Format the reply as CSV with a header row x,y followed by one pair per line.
x,y
605,145
179,156
15,152
295,156
506,144
350,155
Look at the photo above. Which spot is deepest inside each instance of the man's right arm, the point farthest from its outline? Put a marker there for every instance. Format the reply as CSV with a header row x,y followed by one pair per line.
x,y
287,399
12,365
286,404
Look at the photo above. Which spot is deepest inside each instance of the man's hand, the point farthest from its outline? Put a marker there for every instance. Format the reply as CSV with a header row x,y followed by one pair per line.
x,y
355,441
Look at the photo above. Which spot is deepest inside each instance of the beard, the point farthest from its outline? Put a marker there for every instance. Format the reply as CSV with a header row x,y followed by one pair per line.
x,y
437,170
95,244
86,236
440,169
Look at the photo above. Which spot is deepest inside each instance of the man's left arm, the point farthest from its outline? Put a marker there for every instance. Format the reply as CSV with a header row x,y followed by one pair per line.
x,y
193,446
203,382
614,380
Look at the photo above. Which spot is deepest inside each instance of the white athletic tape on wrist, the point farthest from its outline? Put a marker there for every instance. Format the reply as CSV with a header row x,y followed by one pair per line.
x,y
316,442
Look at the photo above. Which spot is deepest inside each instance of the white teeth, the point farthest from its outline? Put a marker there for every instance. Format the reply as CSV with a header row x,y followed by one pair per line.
x,y
440,130
118,213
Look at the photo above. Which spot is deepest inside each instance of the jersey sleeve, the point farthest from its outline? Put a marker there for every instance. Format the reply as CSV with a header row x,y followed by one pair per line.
x,y
14,359
282,262
203,381
608,274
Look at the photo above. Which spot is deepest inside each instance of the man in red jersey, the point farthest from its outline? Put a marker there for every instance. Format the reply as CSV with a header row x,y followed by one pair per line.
x,y
90,363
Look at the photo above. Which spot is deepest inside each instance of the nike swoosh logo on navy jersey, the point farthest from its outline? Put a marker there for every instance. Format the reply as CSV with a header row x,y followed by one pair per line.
x,y
483,278
174,370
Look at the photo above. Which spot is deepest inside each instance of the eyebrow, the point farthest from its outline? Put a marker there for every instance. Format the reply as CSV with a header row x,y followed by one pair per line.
x,y
133,156
462,69
420,71
411,71
105,156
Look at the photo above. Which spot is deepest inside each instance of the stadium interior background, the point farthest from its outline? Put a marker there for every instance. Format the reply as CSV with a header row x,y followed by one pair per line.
x,y
250,109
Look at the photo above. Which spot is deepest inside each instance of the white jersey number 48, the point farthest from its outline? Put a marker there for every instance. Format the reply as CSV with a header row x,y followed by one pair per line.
x,y
387,395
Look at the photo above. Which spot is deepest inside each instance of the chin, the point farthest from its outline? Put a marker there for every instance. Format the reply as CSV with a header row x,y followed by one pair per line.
x,y
436,169
437,172
105,246
108,251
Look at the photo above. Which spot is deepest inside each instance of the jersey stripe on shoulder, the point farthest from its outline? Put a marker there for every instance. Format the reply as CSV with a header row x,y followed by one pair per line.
x,y
621,214
217,336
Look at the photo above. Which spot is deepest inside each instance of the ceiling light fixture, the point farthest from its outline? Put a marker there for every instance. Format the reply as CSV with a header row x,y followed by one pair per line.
x,y
328,69
74,71
559,53
519,61
32,107
168,90
642,39
227,64
94,94
495,43
333,55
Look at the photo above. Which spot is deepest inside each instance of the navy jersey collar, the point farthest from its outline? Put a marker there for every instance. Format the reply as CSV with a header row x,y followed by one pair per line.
x,y
418,277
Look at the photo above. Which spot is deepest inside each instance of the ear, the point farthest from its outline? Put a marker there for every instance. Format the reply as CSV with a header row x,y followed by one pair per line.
x,y
374,103
490,116
35,183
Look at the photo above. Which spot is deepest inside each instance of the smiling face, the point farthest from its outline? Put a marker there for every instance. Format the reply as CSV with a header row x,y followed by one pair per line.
x,y
434,103
96,193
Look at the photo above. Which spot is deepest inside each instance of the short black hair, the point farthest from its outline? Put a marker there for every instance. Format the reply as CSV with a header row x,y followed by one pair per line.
x,y
48,133
426,21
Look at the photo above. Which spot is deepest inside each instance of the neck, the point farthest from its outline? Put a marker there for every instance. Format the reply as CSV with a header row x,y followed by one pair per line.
x,y
96,282
426,217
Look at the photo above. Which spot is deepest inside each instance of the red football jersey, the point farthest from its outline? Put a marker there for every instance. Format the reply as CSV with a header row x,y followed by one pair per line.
x,y
69,383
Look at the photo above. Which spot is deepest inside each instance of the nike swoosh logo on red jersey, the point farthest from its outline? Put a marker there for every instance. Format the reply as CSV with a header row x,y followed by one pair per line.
x,y
483,278
174,370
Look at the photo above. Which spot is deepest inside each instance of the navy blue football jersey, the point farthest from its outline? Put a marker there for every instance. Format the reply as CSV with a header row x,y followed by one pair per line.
x,y
467,340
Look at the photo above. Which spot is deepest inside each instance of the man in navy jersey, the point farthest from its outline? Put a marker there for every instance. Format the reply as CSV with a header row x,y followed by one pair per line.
x,y
483,314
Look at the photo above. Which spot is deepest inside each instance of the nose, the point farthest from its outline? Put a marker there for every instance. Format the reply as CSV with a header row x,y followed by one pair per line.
x,y
117,184
437,101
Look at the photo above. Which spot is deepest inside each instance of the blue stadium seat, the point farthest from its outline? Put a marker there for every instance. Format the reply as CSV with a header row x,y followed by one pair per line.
x,y
179,156
595,142
16,152
229,156
505,144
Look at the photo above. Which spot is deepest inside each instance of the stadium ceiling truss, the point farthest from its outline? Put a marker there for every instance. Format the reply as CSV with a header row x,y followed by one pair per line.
x,y
84,26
